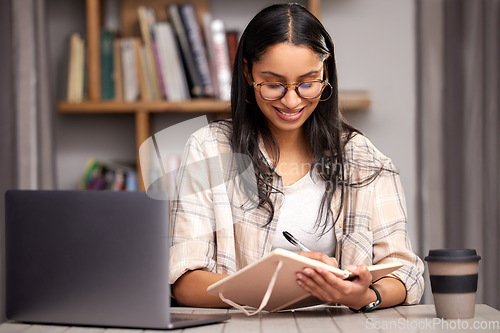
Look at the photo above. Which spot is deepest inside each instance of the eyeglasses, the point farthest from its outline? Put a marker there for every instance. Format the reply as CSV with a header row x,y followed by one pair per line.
x,y
272,91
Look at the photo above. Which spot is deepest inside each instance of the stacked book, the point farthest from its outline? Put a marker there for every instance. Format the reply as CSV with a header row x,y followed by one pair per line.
x,y
108,176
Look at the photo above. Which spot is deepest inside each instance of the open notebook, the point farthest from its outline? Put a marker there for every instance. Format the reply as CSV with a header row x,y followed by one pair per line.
x,y
270,283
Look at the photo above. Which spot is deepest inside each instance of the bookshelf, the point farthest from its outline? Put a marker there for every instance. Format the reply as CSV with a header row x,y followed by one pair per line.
x,y
142,109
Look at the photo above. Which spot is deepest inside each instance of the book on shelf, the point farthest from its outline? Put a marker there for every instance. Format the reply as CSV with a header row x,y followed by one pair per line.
x,y
71,65
145,87
80,71
232,46
119,180
108,176
207,32
107,65
118,69
151,22
148,93
146,20
197,46
170,63
158,30
130,70
76,69
193,76
219,54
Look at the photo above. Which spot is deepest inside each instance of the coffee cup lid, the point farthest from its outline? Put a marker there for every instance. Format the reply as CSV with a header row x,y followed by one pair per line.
x,y
452,255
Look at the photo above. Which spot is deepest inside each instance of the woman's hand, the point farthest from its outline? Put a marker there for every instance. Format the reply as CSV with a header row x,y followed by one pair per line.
x,y
326,286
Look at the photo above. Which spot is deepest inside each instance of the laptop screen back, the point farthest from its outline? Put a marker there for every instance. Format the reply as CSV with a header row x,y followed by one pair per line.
x,y
87,258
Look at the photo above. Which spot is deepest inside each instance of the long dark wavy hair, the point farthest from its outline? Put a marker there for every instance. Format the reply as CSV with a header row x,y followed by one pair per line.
x,y
325,129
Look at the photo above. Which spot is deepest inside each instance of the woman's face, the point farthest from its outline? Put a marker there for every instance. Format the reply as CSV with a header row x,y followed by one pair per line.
x,y
287,63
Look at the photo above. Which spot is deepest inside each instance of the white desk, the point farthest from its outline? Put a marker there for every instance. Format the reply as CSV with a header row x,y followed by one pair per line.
x,y
418,318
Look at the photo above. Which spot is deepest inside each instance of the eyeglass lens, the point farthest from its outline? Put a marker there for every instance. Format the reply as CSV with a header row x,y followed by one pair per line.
x,y
277,90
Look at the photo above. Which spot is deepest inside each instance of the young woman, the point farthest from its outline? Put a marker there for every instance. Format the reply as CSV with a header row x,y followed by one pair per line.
x,y
314,175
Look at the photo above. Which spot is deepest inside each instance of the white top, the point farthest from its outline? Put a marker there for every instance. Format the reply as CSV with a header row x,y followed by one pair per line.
x,y
298,216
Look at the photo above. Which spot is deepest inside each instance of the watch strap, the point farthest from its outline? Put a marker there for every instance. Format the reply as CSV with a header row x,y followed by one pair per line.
x,y
370,306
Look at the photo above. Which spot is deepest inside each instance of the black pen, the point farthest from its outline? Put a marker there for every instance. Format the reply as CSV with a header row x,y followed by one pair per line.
x,y
295,242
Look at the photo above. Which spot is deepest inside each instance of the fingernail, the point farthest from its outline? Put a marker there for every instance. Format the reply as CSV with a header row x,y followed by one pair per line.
x,y
299,276
308,271
319,270
299,282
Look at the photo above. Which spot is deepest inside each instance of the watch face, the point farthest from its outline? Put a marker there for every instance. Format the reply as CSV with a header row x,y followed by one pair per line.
x,y
371,306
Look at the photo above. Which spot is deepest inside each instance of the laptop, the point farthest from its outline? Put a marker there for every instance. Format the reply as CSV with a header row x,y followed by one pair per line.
x,y
93,258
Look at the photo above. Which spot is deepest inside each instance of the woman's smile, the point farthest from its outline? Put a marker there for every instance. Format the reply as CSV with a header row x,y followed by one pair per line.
x,y
289,115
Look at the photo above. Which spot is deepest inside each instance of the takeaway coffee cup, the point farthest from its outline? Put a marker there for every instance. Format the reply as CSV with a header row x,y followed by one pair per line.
x,y
453,274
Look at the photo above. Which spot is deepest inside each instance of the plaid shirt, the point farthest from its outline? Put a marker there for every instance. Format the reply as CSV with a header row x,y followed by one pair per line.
x,y
213,227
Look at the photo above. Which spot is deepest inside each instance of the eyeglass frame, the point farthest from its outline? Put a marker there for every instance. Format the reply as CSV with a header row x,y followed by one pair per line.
x,y
286,86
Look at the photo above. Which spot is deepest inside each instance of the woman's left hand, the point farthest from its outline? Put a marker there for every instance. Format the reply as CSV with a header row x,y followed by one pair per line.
x,y
328,287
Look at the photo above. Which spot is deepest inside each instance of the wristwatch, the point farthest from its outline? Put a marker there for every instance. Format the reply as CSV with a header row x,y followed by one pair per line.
x,y
371,306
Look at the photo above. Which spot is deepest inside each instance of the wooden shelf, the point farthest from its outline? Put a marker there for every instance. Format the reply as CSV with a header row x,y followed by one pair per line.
x,y
354,100
204,105
348,101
